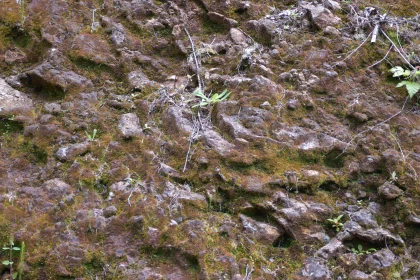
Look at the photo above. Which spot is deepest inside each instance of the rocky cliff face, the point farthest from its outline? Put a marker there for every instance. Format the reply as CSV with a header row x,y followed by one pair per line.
x,y
111,169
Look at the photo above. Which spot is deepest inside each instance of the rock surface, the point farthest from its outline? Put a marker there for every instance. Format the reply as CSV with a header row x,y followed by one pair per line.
x,y
113,166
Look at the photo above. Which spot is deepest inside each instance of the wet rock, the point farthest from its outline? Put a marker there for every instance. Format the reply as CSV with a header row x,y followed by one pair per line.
x,y
262,232
130,126
110,211
315,269
92,48
13,102
389,191
56,189
222,20
380,260
70,152
321,17
138,80
333,249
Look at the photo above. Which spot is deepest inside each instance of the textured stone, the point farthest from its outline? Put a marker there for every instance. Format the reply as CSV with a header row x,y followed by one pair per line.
x,y
315,269
70,152
262,232
389,191
130,126
13,102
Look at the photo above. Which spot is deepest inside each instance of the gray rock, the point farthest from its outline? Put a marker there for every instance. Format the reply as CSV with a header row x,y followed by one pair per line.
x,y
177,194
364,218
334,248
70,152
176,120
321,16
329,30
222,20
56,189
14,56
50,76
370,164
130,125
332,5
237,37
215,141
379,235
138,80
92,48
359,275
52,108
13,102
389,191
167,170
137,221
380,260
262,232
110,211
116,29
315,269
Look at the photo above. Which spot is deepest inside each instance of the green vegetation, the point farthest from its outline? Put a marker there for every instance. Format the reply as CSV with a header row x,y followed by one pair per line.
x,y
92,136
359,250
411,79
9,262
335,223
215,98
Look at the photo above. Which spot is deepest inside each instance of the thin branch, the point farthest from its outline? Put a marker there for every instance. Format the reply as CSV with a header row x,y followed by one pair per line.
x,y
355,50
373,127
398,50
399,146
376,63
197,66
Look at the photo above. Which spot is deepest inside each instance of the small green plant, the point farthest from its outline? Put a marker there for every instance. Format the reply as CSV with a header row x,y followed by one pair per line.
x,y
215,98
92,136
359,250
11,247
411,81
335,223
